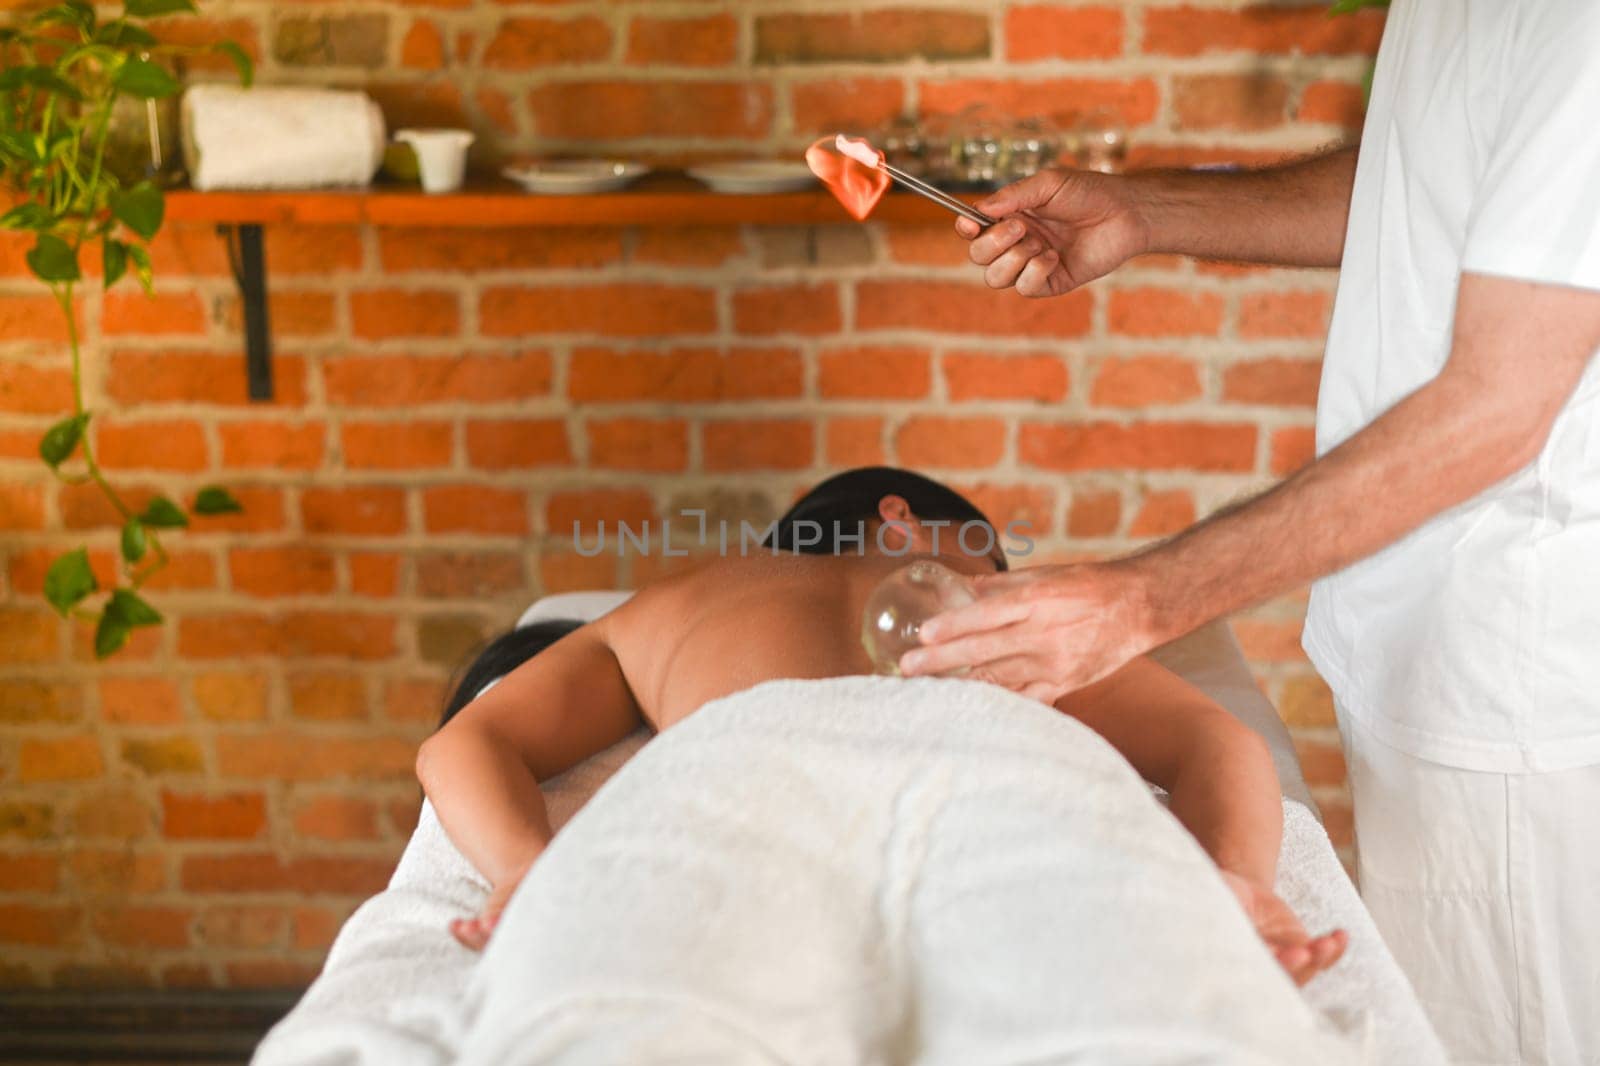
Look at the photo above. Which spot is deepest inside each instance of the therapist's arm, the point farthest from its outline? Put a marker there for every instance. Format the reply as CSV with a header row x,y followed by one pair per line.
x,y
1519,351
1062,228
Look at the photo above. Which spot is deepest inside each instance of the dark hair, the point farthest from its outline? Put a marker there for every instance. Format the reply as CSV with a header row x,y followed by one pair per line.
x,y
844,502
504,654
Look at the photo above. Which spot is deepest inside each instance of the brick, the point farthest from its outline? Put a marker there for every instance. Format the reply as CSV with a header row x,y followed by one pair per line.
x,y
85,507
273,445
1284,314
260,872
188,249
281,571
683,375
383,314
458,250
230,816
828,245
414,699
1094,514
140,376
28,635
955,307
710,41
1163,513
433,103
1292,448
926,245
617,110
1322,761
187,570
1047,31
263,512
1041,377
1338,103
585,509
286,755
1145,381
1028,508
312,249
474,575
21,507
357,510
775,444
31,318
133,313
1258,29
114,812
416,381
25,701
374,574
875,373
143,927
530,42
803,309
1255,101
1064,101
26,821
1199,446
1269,640
497,108
520,444
871,36
422,48
67,759
29,873
396,445
242,927
48,926
314,928
1155,312
639,444
700,246
854,442
332,41
139,700
1306,701
164,755
35,390
403,816
151,445
633,309
832,104
337,818
328,697
271,973
961,443
474,509
346,634
1273,382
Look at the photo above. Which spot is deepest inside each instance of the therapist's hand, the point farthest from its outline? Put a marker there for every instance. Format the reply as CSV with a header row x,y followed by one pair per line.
x,y
1058,229
1043,631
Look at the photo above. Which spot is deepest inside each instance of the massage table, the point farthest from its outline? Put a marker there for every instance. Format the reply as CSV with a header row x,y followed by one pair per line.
x,y
389,988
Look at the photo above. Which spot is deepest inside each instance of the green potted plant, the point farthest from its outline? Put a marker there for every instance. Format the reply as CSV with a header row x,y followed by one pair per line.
x,y
62,72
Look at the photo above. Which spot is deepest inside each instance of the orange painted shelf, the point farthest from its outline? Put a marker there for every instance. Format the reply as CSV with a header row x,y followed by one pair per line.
x,y
656,200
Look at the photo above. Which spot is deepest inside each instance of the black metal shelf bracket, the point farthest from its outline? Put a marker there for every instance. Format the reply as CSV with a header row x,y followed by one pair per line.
x,y
247,258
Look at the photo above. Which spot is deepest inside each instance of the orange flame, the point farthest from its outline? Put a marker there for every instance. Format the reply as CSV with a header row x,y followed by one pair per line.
x,y
857,187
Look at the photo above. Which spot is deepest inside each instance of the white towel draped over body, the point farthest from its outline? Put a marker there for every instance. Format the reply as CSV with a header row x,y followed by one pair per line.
x,y
280,137
867,870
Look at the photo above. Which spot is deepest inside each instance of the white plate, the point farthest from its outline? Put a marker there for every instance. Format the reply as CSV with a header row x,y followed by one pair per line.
x,y
756,176
576,176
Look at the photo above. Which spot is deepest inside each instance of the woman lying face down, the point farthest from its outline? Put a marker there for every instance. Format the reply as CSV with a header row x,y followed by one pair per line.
x,y
734,622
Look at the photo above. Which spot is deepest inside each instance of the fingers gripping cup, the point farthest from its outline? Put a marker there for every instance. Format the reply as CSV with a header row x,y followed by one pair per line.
x,y
896,609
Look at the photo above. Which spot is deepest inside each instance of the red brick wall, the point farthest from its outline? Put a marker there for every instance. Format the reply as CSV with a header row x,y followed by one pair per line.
x,y
209,805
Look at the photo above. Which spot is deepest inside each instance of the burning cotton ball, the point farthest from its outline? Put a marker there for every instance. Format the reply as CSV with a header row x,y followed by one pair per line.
x,y
848,166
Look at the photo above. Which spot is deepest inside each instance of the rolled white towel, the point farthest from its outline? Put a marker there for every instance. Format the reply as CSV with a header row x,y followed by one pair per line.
x,y
280,137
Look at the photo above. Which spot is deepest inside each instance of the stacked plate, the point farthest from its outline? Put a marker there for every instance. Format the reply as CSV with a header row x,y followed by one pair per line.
x,y
576,177
754,176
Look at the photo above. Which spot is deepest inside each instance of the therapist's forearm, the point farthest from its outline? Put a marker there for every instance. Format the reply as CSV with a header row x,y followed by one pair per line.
x,y
1289,215
1433,450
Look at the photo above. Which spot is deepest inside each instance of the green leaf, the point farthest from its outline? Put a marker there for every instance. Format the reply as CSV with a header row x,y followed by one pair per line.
x,y
134,542
113,260
120,32
53,259
163,514
149,9
141,265
77,13
144,79
27,215
216,500
241,61
61,439
110,635
68,581
140,208
40,77
22,145
126,605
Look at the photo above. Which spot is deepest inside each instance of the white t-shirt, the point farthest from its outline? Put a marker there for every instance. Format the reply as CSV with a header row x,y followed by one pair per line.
x,y
1475,641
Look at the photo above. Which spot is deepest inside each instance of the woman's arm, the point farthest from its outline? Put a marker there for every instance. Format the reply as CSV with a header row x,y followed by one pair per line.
x,y
482,770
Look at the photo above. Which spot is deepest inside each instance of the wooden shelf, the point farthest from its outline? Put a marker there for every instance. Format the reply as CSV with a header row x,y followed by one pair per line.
x,y
656,200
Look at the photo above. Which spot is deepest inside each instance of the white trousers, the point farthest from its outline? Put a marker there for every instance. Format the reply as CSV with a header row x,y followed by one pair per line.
x,y
1487,888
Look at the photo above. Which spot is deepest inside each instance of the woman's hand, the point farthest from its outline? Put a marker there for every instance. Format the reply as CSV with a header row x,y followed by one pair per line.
x,y
1301,954
1058,229
475,932
1044,631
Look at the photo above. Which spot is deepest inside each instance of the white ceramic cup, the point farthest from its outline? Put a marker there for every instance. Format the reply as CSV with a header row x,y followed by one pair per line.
x,y
441,156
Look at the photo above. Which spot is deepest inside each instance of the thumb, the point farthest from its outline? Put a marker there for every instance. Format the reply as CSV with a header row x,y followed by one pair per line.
x,y
1030,192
